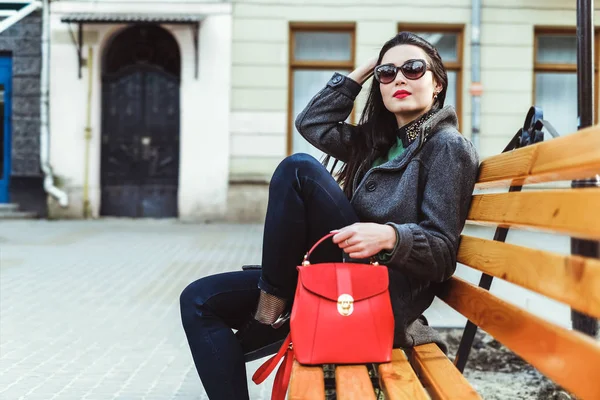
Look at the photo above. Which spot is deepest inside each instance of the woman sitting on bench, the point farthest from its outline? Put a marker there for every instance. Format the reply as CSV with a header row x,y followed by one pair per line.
x,y
402,197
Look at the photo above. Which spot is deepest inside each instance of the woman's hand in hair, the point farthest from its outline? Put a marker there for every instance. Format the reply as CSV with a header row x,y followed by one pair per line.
x,y
363,72
365,239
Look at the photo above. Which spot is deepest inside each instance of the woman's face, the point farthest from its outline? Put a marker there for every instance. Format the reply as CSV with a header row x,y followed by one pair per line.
x,y
408,99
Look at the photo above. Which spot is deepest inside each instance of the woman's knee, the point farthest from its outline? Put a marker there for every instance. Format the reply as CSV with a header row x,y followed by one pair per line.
x,y
191,301
289,166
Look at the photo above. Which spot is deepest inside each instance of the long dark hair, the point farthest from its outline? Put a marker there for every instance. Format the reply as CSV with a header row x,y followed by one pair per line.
x,y
378,125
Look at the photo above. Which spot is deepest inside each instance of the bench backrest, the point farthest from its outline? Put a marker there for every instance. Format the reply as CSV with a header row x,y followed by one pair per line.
x,y
569,358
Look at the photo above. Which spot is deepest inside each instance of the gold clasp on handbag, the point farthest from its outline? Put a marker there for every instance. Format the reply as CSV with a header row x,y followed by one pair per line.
x,y
345,305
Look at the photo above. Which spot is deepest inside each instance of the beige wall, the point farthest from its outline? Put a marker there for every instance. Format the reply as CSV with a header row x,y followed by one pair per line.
x,y
259,108
204,106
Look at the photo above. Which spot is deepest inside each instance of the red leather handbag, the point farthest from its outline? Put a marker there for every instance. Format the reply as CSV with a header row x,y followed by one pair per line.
x,y
342,314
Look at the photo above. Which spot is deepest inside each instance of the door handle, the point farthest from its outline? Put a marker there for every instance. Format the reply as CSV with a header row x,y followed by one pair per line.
x,y
146,149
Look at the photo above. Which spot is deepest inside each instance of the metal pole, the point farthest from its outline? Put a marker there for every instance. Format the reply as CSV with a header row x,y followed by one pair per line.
x,y
585,62
49,185
87,211
585,106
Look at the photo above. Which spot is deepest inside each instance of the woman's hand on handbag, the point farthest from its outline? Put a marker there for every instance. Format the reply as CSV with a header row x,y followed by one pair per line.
x,y
365,239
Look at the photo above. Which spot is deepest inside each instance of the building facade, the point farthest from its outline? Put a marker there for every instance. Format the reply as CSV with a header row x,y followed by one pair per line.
x,y
184,109
285,51
20,64
140,108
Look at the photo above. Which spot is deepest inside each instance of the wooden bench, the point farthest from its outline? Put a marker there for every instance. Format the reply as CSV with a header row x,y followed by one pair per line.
x,y
569,358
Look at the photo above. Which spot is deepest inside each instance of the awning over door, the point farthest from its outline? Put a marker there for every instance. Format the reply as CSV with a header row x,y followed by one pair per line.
x,y
131,18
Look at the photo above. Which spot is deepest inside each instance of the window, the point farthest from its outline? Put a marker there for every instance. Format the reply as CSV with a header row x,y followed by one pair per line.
x,y
555,77
316,52
448,39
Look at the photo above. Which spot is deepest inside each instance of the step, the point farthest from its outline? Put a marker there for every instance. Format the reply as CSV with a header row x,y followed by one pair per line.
x,y
4,207
17,215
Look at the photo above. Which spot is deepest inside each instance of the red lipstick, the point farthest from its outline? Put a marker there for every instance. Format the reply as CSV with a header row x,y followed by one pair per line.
x,y
401,94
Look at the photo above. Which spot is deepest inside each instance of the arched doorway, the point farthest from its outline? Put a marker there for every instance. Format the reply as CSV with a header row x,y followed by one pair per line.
x,y
140,124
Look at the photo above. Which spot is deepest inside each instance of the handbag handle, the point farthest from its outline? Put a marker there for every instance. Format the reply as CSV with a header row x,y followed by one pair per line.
x,y
306,262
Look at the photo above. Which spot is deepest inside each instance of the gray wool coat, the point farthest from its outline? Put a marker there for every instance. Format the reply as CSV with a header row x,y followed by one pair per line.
x,y
424,194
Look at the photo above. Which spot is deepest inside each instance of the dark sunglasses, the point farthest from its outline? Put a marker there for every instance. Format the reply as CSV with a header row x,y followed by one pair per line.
x,y
412,69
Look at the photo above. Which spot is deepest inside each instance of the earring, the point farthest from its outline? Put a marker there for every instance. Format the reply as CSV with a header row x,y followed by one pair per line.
x,y
435,96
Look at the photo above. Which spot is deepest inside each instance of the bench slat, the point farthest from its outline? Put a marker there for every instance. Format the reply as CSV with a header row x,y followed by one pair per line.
x,y
573,280
307,383
575,156
352,382
399,380
573,212
440,376
569,358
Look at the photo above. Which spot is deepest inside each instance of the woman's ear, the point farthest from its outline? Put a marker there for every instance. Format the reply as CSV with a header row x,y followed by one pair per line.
x,y
437,87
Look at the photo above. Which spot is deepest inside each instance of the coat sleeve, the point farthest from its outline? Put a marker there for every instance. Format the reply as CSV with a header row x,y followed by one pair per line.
x,y
427,250
322,124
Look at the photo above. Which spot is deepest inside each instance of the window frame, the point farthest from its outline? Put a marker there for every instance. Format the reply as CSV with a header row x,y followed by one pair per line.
x,y
455,66
563,68
293,65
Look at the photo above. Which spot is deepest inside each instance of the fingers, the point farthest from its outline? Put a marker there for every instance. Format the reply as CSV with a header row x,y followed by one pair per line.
x,y
360,252
360,255
356,249
347,243
373,64
342,235
350,245
356,240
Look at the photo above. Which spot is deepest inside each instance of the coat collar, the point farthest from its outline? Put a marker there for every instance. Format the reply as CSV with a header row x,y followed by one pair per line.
x,y
410,132
442,119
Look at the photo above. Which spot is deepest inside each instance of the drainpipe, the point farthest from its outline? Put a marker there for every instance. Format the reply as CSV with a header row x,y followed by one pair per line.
x,y
87,212
476,87
462,355
49,187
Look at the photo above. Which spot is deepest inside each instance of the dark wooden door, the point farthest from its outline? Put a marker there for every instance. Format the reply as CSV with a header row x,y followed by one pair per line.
x,y
140,142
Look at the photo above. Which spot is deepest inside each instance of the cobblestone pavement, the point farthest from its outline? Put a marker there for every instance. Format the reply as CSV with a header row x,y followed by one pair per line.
x,y
89,309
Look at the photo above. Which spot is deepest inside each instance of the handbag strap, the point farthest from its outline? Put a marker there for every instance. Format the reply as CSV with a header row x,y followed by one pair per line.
x,y
282,379
318,243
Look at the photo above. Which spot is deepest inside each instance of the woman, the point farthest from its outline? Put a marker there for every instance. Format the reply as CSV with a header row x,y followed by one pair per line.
x,y
406,184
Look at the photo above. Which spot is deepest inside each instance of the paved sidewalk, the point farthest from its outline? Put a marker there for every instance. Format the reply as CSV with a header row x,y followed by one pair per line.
x,y
89,309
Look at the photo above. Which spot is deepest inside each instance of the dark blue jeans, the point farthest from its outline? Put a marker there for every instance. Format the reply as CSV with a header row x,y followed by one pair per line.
x,y
305,203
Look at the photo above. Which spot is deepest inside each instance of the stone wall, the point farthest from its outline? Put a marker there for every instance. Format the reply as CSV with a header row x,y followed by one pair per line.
x,y
23,42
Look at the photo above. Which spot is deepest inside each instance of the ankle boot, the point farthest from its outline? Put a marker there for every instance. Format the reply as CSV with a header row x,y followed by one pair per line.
x,y
259,340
